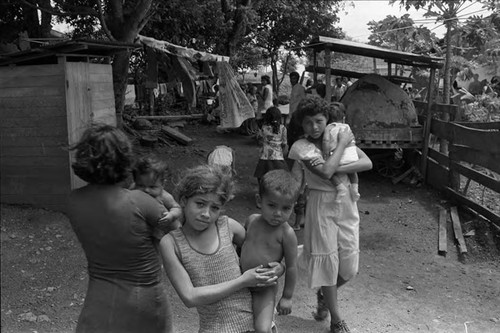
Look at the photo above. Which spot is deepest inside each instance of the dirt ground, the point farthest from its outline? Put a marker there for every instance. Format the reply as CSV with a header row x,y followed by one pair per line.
x,y
403,284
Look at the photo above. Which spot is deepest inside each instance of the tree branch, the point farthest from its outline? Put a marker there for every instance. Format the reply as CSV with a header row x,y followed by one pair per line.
x,y
103,21
81,10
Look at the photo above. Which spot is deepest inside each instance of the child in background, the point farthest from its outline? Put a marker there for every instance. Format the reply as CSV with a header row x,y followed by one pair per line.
x,y
201,261
273,139
350,155
270,238
149,176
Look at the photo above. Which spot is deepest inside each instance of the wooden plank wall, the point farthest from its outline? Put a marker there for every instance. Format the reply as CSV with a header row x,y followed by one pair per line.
x,y
474,144
90,99
34,138
102,94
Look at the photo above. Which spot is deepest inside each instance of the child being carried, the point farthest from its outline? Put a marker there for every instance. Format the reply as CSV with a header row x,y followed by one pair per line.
x,y
330,139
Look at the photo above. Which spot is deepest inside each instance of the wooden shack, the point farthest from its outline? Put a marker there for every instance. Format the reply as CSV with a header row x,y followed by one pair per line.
x,y
48,97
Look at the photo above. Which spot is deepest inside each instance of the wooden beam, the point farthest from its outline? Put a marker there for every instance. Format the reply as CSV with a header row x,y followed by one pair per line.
x,y
173,118
474,156
328,74
476,176
457,228
176,135
427,126
442,245
488,214
405,174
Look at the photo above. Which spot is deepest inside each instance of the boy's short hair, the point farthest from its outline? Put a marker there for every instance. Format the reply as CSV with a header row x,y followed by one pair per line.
x,y
150,163
280,181
294,74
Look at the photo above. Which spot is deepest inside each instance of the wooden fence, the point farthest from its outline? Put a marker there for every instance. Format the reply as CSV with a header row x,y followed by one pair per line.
x,y
473,153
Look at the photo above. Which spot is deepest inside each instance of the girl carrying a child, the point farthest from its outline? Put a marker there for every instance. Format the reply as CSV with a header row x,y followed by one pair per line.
x,y
201,261
331,236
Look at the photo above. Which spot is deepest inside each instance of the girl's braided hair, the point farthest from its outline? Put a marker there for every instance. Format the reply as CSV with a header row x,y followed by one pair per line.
x,y
272,117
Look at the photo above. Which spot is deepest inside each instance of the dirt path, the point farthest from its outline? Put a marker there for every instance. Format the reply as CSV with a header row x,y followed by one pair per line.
x,y
403,284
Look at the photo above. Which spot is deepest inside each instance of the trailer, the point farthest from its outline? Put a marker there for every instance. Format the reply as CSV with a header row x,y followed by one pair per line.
x,y
376,127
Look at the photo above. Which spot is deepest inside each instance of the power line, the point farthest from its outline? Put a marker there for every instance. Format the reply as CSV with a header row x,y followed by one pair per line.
x,y
445,20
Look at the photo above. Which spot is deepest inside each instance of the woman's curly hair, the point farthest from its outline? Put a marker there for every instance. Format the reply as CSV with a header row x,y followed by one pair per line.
x,y
103,155
205,179
312,105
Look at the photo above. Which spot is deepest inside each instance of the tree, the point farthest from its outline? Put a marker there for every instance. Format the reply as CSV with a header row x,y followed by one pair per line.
x,y
447,12
401,34
120,20
280,27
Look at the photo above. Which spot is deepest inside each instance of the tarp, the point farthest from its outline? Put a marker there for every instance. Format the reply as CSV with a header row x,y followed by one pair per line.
x,y
181,51
235,107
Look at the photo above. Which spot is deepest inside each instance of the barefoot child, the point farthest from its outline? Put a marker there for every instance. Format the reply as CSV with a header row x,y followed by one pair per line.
x,y
270,238
330,141
149,175
200,259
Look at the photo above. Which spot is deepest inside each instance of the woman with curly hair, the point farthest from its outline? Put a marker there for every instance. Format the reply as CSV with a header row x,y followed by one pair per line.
x,y
115,228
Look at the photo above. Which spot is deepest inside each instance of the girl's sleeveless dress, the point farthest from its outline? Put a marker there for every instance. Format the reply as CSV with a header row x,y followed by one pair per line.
x,y
331,233
271,154
232,314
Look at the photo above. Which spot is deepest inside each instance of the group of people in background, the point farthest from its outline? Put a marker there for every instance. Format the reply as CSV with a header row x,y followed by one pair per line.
x,y
228,270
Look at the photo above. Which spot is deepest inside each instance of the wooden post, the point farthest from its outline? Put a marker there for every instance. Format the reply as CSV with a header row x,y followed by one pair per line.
x,y
427,125
151,102
328,83
457,228
389,70
315,74
442,239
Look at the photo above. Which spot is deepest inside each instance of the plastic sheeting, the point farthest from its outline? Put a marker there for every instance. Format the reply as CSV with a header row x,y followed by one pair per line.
x,y
235,107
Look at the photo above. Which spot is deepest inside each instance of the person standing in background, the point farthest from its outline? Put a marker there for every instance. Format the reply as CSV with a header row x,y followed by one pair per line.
x,y
298,92
266,97
338,90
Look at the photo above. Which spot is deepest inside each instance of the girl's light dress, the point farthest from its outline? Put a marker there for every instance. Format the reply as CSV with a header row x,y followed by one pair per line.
x,y
271,153
331,233
232,314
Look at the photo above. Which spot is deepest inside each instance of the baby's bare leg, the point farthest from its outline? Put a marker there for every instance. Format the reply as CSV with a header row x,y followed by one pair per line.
x,y
353,177
263,300
342,190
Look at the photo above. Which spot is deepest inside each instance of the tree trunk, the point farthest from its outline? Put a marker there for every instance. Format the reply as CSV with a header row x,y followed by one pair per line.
x,y
120,73
274,68
239,23
454,178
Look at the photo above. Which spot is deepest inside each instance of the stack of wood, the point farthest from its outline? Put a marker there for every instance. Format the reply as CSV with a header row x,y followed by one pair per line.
x,y
457,231
150,135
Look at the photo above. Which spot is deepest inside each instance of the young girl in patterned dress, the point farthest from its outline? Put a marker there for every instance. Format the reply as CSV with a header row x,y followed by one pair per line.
x,y
201,261
273,138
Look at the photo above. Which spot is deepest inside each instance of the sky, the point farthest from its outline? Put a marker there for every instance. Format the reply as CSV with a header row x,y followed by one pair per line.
x,y
357,14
